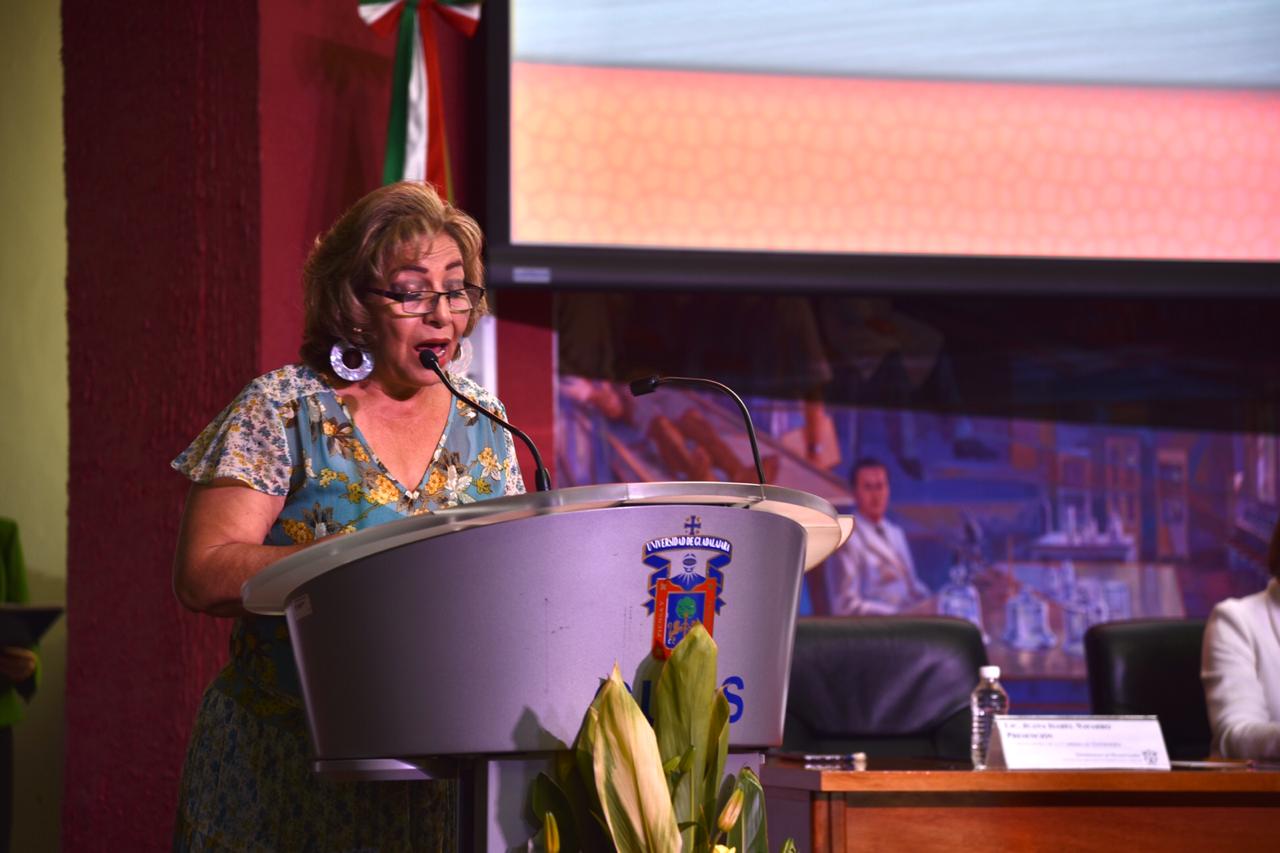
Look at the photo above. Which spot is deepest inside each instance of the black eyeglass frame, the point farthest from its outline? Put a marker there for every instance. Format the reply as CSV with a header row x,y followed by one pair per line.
x,y
474,293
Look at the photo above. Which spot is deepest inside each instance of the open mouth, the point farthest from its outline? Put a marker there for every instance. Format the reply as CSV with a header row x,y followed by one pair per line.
x,y
437,347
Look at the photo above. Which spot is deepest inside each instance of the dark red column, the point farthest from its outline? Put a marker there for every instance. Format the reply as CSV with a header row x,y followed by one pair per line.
x,y
163,232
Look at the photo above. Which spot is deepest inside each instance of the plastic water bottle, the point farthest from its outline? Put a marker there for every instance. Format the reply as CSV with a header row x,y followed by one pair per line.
x,y
987,700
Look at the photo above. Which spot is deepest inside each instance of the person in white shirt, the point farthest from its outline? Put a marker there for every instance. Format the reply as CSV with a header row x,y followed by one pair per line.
x,y
1240,670
873,572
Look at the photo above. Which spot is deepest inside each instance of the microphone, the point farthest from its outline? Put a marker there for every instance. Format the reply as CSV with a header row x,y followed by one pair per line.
x,y
649,384
541,476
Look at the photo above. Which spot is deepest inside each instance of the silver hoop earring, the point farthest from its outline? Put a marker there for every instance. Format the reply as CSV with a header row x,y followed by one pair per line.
x,y
462,356
342,354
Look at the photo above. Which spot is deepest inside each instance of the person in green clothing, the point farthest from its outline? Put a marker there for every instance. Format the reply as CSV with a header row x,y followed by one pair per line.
x,y
17,671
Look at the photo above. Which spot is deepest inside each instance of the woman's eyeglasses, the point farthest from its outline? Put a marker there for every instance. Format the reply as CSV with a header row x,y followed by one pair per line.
x,y
459,301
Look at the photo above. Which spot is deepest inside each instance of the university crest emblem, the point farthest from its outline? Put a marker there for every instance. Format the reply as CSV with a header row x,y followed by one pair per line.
x,y
688,592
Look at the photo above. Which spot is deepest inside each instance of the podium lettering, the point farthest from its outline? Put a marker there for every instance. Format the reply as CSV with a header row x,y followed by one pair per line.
x,y
735,701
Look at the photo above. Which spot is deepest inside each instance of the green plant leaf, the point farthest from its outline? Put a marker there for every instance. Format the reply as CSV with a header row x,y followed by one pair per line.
x,y
547,797
750,834
714,778
789,846
583,752
588,823
565,765
682,711
728,785
551,833
676,770
648,672
627,769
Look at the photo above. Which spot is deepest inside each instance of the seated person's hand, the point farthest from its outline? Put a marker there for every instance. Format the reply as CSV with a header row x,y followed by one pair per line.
x,y
16,663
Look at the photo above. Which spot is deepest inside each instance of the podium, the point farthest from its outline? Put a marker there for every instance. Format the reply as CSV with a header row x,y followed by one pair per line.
x,y
469,643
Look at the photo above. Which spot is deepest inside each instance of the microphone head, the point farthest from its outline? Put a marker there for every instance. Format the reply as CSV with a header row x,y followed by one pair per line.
x,y
647,385
429,360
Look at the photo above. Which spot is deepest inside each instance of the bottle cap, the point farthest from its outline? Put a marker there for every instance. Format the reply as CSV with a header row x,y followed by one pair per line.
x,y
989,672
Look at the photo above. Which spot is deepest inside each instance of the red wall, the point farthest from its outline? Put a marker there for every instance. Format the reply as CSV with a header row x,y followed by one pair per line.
x,y
323,97
207,143
163,234
526,361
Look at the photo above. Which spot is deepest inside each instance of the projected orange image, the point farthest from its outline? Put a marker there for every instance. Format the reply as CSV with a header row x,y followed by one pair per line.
x,y
627,157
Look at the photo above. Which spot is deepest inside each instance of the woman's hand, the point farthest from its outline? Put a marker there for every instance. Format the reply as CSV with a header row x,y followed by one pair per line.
x,y
17,664
220,546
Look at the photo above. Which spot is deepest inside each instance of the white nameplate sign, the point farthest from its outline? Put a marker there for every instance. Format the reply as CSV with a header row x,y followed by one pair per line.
x,y
1077,743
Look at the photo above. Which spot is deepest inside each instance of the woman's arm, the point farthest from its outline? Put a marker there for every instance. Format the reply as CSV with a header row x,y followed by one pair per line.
x,y
220,545
1242,724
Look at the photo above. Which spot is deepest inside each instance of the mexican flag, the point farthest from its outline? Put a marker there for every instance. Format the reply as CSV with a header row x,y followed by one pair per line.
x,y
416,145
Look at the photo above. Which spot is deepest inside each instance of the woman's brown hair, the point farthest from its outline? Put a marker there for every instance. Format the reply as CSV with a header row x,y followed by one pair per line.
x,y
364,248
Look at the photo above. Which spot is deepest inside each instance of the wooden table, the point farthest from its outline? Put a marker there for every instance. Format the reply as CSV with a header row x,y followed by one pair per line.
x,y
921,807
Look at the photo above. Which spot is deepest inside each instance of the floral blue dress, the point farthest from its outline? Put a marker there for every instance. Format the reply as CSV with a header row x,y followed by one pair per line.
x,y
247,783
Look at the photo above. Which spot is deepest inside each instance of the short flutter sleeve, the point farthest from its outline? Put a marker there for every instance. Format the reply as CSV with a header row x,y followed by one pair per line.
x,y
249,441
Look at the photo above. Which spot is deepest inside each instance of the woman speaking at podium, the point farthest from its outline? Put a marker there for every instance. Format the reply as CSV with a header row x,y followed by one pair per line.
x,y
358,434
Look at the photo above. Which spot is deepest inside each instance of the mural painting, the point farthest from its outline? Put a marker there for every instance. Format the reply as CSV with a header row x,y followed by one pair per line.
x,y
1034,529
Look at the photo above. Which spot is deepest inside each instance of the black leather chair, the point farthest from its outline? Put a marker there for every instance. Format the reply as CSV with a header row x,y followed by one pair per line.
x,y
889,686
1152,666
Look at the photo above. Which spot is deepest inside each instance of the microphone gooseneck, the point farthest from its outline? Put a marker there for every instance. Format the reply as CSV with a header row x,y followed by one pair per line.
x,y
649,384
541,476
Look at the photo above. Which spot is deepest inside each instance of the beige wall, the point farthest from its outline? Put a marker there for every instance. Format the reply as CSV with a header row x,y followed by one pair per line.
x,y
33,377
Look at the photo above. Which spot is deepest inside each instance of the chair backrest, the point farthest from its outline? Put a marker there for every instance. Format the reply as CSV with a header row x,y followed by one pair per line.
x,y
1152,666
889,686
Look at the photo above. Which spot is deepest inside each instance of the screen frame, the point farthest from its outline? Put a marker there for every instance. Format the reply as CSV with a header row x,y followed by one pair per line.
x,y
570,267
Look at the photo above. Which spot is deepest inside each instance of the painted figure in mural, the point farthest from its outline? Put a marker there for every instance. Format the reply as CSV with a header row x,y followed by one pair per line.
x,y
358,434
1241,669
873,572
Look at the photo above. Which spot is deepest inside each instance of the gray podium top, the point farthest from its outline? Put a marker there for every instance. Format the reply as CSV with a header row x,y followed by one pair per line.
x,y
485,629
825,530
